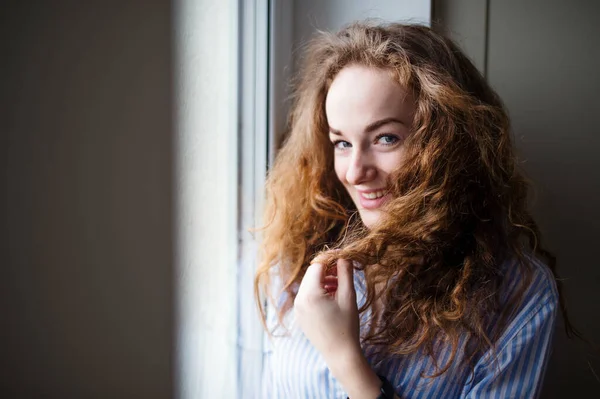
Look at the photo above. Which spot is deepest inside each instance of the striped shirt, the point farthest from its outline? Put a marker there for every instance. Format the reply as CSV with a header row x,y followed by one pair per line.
x,y
293,368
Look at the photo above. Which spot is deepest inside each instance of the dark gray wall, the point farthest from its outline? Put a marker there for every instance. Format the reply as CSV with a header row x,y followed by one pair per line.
x,y
86,256
543,58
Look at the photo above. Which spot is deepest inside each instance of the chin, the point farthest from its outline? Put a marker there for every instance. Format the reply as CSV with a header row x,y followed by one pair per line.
x,y
369,217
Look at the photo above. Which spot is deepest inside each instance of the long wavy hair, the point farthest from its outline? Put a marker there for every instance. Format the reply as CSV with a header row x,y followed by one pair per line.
x,y
459,207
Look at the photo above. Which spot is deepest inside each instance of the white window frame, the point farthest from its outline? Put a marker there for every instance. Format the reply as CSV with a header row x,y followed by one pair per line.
x,y
222,65
265,53
253,149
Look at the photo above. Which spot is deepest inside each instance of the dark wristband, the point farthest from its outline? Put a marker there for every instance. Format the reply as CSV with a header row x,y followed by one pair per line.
x,y
387,390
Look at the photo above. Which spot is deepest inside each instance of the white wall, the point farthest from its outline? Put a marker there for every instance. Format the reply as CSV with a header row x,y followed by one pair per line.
x,y
206,169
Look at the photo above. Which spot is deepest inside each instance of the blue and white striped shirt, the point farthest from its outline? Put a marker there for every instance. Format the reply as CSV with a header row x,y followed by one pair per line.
x,y
293,368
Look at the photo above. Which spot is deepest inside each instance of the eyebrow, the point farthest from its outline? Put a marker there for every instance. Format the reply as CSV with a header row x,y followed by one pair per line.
x,y
373,126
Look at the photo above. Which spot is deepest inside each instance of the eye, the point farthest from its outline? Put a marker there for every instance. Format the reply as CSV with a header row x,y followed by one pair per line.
x,y
341,145
387,139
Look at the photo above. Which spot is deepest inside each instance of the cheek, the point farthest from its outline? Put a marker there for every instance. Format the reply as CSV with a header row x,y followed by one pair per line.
x,y
340,166
392,162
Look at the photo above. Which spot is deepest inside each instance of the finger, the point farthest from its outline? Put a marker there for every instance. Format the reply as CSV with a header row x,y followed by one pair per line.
x,y
330,290
346,279
330,284
330,280
320,258
313,278
330,269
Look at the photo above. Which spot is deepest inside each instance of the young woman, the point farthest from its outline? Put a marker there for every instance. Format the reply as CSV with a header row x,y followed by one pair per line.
x,y
399,254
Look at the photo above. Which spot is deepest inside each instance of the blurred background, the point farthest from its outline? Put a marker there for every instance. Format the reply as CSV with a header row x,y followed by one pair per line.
x,y
135,138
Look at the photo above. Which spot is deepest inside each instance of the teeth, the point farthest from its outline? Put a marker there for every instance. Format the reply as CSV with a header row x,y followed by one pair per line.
x,y
374,195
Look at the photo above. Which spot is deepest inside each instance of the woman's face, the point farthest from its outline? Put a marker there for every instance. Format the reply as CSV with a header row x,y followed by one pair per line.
x,y
369,117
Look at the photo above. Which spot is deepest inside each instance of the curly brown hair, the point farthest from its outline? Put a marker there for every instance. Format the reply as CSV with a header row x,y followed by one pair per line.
x,y
460,203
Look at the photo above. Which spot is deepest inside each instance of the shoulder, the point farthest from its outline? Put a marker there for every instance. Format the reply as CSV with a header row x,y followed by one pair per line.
x,y
529,297
533,280
517,362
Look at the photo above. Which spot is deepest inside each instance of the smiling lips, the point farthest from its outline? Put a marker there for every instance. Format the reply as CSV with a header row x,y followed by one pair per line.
x,y
372,199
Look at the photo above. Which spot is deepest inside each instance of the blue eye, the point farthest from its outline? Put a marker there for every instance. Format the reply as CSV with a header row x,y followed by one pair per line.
x,y
387,139
341,144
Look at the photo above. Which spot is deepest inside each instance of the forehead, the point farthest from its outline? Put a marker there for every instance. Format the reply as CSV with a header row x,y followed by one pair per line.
x,y
360,95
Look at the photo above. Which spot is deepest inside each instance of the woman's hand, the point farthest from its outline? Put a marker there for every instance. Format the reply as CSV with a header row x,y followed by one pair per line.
x,y
326,311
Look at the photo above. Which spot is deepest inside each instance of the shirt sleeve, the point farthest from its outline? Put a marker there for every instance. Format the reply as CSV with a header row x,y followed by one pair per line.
x,y
518,367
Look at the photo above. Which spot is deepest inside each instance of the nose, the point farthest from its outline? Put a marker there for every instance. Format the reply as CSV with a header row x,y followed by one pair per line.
x,y
360,169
